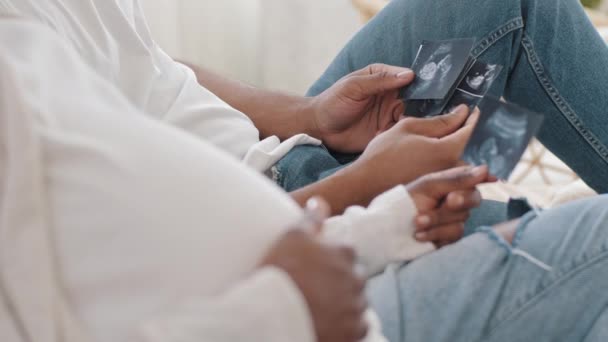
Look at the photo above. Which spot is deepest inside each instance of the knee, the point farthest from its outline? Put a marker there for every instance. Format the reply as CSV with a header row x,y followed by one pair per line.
x,y
592,209
592,212
585,220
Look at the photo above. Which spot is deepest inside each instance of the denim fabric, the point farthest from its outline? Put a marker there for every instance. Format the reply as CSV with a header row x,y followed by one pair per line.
x,y
305,164
484,289
555,64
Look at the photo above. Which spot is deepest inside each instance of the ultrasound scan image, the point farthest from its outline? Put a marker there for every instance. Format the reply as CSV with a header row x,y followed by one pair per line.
x,y
463,97
480,78
475,85
501,136
438,67
424,108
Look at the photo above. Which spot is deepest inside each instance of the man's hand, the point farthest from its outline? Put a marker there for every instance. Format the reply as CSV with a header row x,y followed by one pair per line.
x,y
444,201
325,275
360,106
411,149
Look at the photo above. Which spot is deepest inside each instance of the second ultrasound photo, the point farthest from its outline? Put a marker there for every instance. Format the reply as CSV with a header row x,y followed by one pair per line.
x,y
501,136
475,85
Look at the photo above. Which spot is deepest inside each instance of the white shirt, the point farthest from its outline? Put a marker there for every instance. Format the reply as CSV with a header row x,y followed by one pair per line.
x,y
156,232
147,224
112,37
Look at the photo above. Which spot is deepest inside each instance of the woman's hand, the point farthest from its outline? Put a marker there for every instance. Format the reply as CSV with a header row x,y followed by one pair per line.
x,y
326,278
413,148
444,201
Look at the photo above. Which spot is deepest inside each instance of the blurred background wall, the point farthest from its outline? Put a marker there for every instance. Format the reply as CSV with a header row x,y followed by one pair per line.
x,y
283,44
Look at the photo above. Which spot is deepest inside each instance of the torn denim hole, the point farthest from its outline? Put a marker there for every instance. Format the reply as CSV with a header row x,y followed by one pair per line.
x,y
275,175
512,249
518,207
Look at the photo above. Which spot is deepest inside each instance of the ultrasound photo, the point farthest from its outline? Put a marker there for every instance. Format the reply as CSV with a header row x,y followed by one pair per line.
x,y
501,137
480,77
438,67
463,97
424,108
475,85
430,108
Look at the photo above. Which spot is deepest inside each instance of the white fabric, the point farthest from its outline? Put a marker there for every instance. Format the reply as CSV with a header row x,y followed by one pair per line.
x,y
139,224
146,242
382,233
269,151
142,213
113,39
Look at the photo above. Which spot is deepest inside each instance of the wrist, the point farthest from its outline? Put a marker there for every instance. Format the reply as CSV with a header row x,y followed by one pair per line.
x,y
358,184
308,117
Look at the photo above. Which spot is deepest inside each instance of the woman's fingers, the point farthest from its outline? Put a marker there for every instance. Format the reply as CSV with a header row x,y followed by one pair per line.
x,y
431,220
449,233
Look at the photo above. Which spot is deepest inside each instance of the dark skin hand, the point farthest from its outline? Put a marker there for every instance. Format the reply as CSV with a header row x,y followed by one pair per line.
x,y
326,278
410,149
326,274
360,106
444,201
346,117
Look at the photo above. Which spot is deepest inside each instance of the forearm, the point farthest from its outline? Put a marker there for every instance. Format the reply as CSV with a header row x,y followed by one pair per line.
x,y
273,113
348,187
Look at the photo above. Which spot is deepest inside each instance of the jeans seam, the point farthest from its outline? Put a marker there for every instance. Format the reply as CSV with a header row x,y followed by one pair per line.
x,y
559,101
532,301
499,33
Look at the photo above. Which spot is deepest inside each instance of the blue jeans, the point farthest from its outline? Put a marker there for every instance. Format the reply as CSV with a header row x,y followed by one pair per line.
x,y
483,289
555,64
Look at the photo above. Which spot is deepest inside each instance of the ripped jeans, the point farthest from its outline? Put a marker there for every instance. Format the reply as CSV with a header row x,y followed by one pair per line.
x,y
550,284
483,289
555,64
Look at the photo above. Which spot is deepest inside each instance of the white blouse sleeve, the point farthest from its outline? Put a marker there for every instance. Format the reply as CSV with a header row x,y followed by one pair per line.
x,y
144,218
382,233
147,219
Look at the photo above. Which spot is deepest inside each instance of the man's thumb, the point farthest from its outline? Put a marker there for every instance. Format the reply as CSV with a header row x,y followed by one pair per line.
x,y
382,81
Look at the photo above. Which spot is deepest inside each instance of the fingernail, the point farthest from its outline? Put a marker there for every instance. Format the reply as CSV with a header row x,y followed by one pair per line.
x,y
423,220
478,171
314,210
405,74
312,204
458,108
420,236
